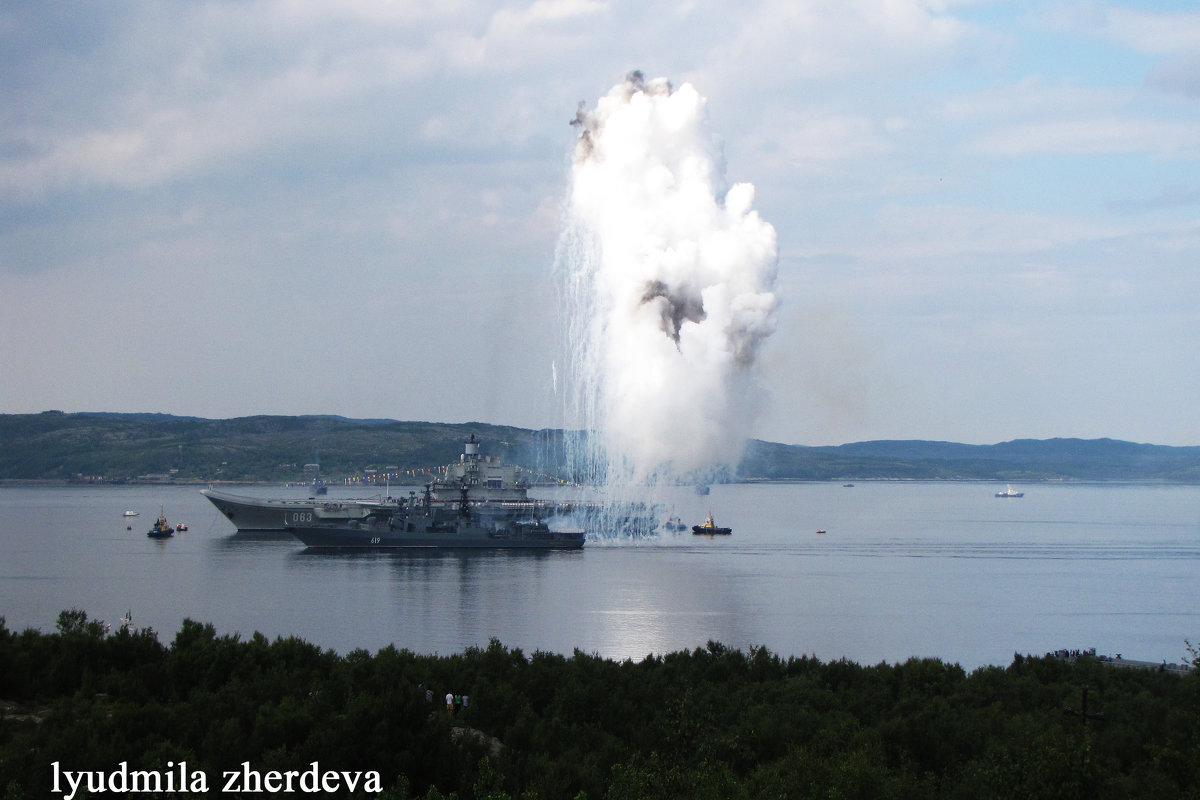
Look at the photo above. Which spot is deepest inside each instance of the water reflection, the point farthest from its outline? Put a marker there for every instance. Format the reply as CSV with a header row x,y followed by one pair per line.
x,y
652,602
623,602
444,600
242,539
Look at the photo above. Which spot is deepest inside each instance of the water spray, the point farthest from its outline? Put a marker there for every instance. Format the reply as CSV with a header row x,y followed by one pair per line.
x,y
667,276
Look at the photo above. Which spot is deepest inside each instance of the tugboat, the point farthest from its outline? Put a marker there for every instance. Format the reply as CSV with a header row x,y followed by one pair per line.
x,y
162,529
710,528
1010,492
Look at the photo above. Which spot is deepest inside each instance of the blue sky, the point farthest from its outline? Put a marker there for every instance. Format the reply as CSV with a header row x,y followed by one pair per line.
x,y
988,213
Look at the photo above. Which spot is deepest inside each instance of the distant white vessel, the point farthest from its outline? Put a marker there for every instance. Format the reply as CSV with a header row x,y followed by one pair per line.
x,y
131,513
1010,492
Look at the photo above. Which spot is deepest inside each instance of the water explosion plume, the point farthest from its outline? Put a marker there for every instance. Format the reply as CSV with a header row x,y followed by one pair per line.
x,y
668,277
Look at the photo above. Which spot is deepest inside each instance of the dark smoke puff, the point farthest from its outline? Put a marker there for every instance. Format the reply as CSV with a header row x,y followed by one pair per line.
x,y
674,307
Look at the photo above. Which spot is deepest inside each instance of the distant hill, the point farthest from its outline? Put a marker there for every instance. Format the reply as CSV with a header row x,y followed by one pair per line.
x,y
1018,460
119,447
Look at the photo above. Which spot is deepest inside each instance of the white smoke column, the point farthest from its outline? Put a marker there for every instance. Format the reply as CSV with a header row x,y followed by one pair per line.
x,y
669,279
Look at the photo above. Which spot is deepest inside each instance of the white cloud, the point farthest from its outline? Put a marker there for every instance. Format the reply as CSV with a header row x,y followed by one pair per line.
x,y
897,146
917,234
1171,36
808,141
516,22
217,82
1029,98
1161,33
1030,117
831,38
1092,136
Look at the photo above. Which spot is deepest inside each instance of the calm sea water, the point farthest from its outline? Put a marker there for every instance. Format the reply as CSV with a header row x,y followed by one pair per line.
x,y
904,569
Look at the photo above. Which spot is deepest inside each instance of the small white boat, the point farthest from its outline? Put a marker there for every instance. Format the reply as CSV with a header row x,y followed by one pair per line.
x,y
1010,492
131,513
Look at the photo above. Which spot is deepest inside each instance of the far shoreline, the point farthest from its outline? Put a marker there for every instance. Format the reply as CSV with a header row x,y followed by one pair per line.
x,y
197,482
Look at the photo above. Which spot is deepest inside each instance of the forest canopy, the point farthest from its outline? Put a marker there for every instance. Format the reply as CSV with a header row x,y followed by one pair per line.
x,y
713,722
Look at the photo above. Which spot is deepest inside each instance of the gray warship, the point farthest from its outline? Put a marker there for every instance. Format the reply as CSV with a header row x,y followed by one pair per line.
x,y
496,493
425,524
497,486
259,514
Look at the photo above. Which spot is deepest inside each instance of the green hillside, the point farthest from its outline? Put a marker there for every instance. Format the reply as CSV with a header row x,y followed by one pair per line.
x,y
119,447
1015,461
122,447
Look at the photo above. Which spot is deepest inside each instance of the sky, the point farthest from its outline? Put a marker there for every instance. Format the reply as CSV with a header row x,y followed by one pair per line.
x,y
988,213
